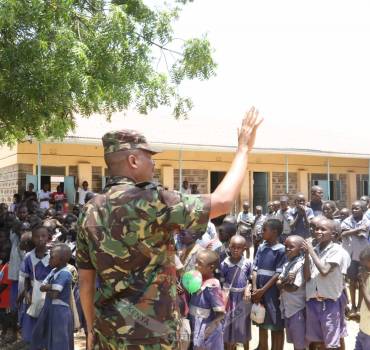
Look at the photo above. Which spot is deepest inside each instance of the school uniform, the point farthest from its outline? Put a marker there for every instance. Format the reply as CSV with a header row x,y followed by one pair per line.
x,y
54,327
237,322
203,307
354,244
363,336
300,228
292,304
269,260
316,208
323,307
42,269
286,218
343,300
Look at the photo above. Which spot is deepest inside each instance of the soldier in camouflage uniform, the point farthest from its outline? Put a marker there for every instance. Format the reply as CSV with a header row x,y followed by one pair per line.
x,y
125,237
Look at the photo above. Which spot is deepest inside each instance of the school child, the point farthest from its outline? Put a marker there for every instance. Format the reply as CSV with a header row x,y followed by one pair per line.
x,y
268,265
225,232
293,293
270,211
283,214
355,233
301,217
246,232
259,219
34,269
188,253
54,327
329,208
344,213
236,271
324,286
245,216
7,322
207,307
363,337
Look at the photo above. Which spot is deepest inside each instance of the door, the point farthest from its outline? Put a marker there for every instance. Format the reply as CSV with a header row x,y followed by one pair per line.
x,y
69,189
31,179
260,189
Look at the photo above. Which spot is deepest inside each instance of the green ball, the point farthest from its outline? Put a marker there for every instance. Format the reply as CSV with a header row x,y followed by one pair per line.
x,y
192,281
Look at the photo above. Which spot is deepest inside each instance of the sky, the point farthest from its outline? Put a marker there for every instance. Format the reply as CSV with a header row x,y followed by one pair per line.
x,y
304,64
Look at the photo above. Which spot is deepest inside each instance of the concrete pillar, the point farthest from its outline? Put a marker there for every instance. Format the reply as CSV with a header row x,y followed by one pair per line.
x,y
352,188
84,174
303,183
167,177
245,190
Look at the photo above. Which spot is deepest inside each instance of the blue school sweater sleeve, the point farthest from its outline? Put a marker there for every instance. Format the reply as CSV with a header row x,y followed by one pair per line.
x,y
62,279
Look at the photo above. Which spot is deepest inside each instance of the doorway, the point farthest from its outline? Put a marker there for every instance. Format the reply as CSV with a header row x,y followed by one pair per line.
x,y
260,189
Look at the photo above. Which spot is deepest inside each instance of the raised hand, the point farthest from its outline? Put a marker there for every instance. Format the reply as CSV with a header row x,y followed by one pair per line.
x,y
247,132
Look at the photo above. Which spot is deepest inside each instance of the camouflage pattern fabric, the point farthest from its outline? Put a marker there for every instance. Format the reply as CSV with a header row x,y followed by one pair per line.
x,y
124,140
126,235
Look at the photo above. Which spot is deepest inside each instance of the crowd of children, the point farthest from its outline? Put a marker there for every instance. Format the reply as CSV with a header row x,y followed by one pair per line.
x,y
39,297
310,272
303,259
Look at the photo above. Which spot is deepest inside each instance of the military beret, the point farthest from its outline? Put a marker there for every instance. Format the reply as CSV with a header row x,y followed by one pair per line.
x,y
123,140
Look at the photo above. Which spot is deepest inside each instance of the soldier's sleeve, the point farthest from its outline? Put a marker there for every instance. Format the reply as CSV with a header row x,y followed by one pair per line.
x,y
188,211
83,259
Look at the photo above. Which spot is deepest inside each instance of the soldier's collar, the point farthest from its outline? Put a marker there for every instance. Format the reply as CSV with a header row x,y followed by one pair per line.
x,y
117,180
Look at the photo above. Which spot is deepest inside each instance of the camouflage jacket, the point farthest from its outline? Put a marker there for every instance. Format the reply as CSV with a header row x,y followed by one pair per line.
x,y
126,235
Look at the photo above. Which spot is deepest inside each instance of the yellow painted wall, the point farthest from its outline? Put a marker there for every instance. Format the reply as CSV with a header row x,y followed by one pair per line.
x,y
74,154
8,156
86,156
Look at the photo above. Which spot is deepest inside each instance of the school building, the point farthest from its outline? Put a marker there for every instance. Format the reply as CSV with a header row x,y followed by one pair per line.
x,y
197,153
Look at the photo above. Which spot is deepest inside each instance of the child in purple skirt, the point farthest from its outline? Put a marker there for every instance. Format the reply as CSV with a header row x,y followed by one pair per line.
x,y
268,265
207,308
293,293
236,272
35,267
54,327
324,287
363,337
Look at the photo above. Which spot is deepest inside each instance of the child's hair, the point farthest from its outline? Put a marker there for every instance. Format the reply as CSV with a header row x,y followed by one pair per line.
x,y
297,239
26,241
39,227
362,204
274,225
332,205
239,238
65,250
211,256
365,254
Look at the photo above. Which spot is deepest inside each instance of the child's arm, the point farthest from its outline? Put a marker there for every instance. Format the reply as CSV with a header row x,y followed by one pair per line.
x,y
254,280
259,293
355,231
306,266
324,268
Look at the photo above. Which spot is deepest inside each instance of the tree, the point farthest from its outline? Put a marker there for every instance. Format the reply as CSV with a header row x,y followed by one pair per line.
x,y
59,58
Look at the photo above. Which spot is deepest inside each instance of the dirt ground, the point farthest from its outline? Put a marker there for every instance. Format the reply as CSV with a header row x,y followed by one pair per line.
x,y
350,340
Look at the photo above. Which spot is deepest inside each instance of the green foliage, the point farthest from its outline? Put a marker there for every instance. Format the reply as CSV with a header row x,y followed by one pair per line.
x,y
59,58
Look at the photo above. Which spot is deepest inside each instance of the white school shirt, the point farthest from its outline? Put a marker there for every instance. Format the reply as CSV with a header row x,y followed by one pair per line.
x,y
81,195
286,219
354,244
365,312
331,285
292,302
44,195
245,217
